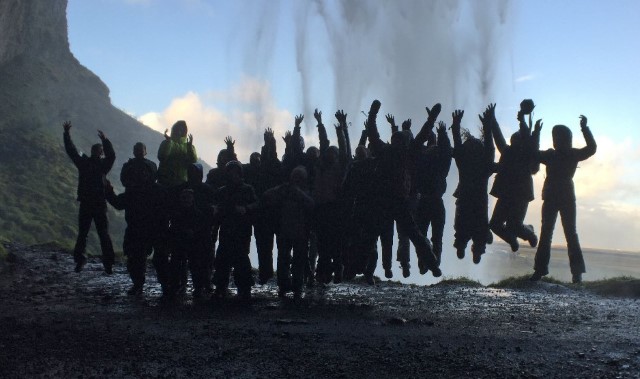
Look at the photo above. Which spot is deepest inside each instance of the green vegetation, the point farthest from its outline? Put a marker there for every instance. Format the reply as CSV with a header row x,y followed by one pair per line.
x,y
519,282
459,281
619,286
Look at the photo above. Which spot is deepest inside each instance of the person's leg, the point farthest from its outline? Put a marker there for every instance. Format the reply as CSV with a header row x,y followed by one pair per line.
x,y
84,224
543,253
284,264
161,263
426,259
264,246
479,226
386,242
222,264
461,227
576,259
500,223
242,275
102,227
300,252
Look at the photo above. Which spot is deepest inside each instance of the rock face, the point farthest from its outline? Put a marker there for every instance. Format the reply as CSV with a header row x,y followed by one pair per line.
x,y
33,27
41,85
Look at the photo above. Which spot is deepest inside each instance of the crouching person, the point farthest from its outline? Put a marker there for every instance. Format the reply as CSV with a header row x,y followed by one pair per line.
x,y
295,208
235,203
143,209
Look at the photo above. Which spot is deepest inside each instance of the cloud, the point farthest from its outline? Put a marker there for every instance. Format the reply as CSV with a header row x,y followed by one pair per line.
x,y
242,111
525,78
608,200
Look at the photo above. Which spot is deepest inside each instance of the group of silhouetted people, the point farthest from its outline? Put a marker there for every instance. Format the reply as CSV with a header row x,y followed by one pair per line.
x,y
325,207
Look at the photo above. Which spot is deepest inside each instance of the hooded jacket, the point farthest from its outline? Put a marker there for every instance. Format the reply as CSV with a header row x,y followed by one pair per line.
x,y
175,155
92,170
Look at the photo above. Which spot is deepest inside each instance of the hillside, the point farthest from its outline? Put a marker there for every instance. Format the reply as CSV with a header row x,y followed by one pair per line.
x,y
41,85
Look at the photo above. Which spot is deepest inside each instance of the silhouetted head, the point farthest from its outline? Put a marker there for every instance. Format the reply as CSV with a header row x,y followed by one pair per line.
x,y
195,173
223,158
473,146
186,198
233,169
313,153
362,153
298,177
330,156
97,151
255,159
139,150
516,140
400,140
179,129
562,138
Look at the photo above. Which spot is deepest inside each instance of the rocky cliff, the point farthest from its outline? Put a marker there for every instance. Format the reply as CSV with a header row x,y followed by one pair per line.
x,y
41,85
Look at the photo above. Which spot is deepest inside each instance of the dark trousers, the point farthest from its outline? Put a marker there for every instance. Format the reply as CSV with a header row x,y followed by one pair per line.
x,y
386,243
567,210
264,234
98,214
137,246
291,268
160,260
431,212
329,233
404,247
310,267
471,223
399,210
507,220
233,252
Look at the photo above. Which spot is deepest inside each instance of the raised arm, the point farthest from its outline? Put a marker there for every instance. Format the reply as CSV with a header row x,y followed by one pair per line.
x,y
375,142
192,155
498,137
591,147
69,146
427,127
392,121
455,128
487,121
322,132
109,153
344,152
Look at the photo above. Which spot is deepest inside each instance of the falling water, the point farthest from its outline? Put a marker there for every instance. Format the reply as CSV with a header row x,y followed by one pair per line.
x,y
408,54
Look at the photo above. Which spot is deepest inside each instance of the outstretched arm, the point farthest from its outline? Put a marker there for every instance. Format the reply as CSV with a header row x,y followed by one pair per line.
x,y
343,138
109,153
69,146
591,147
501,143
489,149
372,128
423,135
455,128
322,132
392,121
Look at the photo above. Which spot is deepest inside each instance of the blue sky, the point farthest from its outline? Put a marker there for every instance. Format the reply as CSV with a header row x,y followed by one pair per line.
x,y
235,67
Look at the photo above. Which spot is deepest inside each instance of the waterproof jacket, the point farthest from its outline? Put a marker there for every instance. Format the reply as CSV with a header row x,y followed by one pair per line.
x,y
91,171
475,162
294,210
561,166
145,209
232,223
432,167
138,173
175,155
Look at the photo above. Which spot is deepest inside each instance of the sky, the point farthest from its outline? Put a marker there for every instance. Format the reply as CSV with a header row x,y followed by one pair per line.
x,y
234,68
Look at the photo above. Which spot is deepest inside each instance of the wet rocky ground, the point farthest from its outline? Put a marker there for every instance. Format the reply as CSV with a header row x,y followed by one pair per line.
x,y
56,323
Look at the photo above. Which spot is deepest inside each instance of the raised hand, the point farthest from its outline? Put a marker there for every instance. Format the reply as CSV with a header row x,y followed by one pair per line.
x,y
67,126
391,120
268,135
101,135
491,112
287,137
583,121
318,116
299,119
341,117
190,139
442,126
538,127
229,142
406,124
434,112
166,135
457,117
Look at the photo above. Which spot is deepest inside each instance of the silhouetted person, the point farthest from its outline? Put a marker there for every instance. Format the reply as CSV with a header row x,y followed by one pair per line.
x,y
216,177
144,207
432,169
92,173
513,185
189,236
393,172
475,161
138,171
293,220
403,251
558,195
263,172
200,257
236,202
329,173
175,155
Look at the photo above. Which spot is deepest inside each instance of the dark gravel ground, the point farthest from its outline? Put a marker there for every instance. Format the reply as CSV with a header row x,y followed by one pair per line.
x,y
56,323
